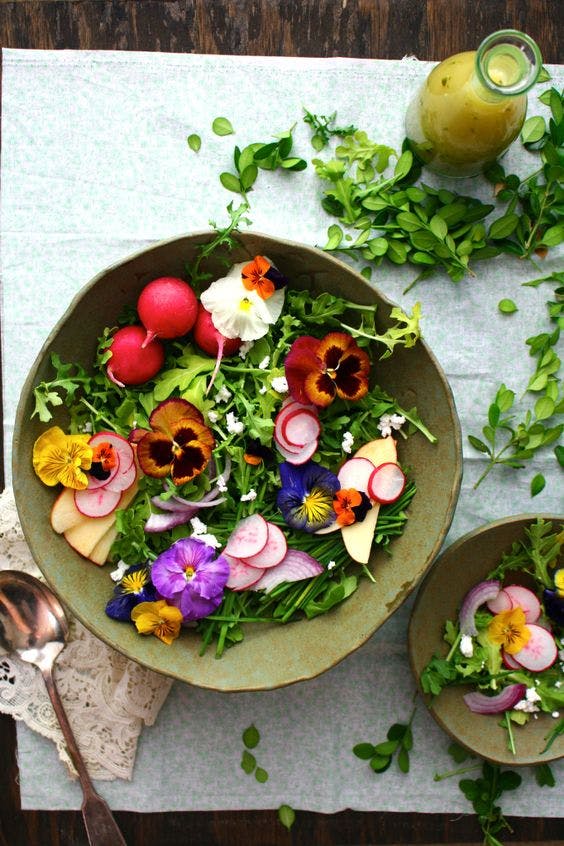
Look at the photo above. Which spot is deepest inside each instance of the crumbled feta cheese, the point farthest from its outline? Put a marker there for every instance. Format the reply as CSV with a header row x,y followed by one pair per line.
x,y
526,706
249,497
280,384
263,389
118,574
532,695
210,540
388,422
347,442
223,395
244,349
557,684
221,484
264,363
331,565
198,528
234,425
466,646
87,426
555,714
213,416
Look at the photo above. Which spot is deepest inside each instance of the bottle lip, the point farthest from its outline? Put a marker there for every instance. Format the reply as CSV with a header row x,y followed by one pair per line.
x,y
519,43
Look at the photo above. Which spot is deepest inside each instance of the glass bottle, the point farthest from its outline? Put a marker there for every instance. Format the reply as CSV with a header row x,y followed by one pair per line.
x,y
473,105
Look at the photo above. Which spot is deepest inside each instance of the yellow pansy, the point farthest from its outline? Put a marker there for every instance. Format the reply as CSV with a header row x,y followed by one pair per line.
x,y
509,630
158,618
58,457
559,581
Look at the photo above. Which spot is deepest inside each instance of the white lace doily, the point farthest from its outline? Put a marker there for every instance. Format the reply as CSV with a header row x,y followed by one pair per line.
x,y
108,699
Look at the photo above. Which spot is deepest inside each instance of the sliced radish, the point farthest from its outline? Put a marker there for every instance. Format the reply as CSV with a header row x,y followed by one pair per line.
x,y
272,552
502,602
94,483
386,483
283,444
479,703
295,565
304,454
355,473
510,661
241,575
540,651
97,503
300,427
123,480
248,537
522,597
288,407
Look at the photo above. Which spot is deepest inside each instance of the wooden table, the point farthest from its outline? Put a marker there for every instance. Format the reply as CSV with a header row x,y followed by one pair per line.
x,y
384,29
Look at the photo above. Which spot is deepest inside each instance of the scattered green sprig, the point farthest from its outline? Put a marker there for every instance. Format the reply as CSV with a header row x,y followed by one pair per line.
x,y
484,792
251,739
271,155
398,744
324,128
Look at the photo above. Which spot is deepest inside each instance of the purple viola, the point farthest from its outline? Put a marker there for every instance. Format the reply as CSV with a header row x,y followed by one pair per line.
x,y
189,576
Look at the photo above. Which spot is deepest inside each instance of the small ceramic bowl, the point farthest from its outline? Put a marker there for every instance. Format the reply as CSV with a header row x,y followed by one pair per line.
x,y
270,656
465,563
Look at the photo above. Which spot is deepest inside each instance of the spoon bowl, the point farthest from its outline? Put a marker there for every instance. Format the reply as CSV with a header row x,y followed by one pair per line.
x,y
33,625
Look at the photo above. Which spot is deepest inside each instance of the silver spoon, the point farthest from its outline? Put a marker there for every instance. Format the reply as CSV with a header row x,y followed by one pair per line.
x,y
33,624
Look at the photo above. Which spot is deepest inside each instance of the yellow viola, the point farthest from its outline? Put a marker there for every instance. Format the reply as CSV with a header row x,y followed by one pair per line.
x,y
58,457
509,630
158,618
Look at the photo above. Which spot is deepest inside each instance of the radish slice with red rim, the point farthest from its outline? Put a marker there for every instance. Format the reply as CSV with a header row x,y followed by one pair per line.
x,y
502,602
300,427
510,661
540,652
248,537
522,597
356,473
386,483
272,552
241,575
121,445
97,503
300,457
479,703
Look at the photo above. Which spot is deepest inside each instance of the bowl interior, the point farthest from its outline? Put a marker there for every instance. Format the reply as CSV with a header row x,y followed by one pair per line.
x,y
270,656
465,563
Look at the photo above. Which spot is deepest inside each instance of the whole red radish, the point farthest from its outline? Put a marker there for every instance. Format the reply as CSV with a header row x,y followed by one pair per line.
x,y
211,341
167,308
132,363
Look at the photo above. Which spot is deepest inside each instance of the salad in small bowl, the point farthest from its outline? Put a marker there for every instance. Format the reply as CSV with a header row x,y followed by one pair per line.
x,y
486,640
240,429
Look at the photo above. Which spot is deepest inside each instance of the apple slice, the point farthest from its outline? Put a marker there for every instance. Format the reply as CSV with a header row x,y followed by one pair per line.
x,y
540,651
64,513
378,451
99,554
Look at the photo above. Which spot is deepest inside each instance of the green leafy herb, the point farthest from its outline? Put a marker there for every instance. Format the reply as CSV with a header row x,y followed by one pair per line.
x,y
324,128
194,142
222,126
271,155
287,816
251,737
555,732
484,792
537,484
536,554
261,775
399,743
248,762
544,776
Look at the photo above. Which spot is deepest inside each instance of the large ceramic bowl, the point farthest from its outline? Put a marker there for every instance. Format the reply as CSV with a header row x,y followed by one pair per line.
x,y
270,656
465,563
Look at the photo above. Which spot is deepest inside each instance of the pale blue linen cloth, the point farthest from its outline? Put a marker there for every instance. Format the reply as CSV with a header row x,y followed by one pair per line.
x,y
95,165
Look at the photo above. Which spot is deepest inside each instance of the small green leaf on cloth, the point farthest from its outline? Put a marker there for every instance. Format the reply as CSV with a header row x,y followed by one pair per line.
x,y
287,816
251,737
537,484
194,142
507,306
222,126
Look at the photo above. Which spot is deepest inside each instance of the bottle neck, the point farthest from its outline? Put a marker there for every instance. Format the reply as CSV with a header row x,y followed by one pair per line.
x,y
508,64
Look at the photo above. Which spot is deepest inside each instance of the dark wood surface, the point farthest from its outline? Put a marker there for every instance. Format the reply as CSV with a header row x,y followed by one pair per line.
x,y
384,29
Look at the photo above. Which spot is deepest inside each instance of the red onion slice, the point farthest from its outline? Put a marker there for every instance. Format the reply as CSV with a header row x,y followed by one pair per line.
x,y
478,595
479,703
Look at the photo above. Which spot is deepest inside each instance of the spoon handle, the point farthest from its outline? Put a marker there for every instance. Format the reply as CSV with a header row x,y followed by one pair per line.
x,y
101,827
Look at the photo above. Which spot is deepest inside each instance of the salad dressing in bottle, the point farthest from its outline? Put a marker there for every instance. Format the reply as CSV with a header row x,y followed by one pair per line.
x,y
473,105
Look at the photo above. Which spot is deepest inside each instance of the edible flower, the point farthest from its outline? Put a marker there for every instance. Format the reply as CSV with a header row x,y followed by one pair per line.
x,y
306,497
180,443
104,459
158,618
134,587
320,370
58,457
508,629
350,506
559,582
190,577
261,276
240,312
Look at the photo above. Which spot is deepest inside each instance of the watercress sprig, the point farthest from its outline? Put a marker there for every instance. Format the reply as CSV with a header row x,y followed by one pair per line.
x,y
399,743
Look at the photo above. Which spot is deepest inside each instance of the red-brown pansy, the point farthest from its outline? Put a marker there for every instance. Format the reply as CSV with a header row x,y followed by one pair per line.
x,y
255,277
179,443
320,370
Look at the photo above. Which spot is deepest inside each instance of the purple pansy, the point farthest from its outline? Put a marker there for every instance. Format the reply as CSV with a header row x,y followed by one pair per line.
x,y
189,576
306,495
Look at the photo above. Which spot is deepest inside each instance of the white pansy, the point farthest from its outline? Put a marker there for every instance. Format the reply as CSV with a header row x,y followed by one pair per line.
x,y
238,312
